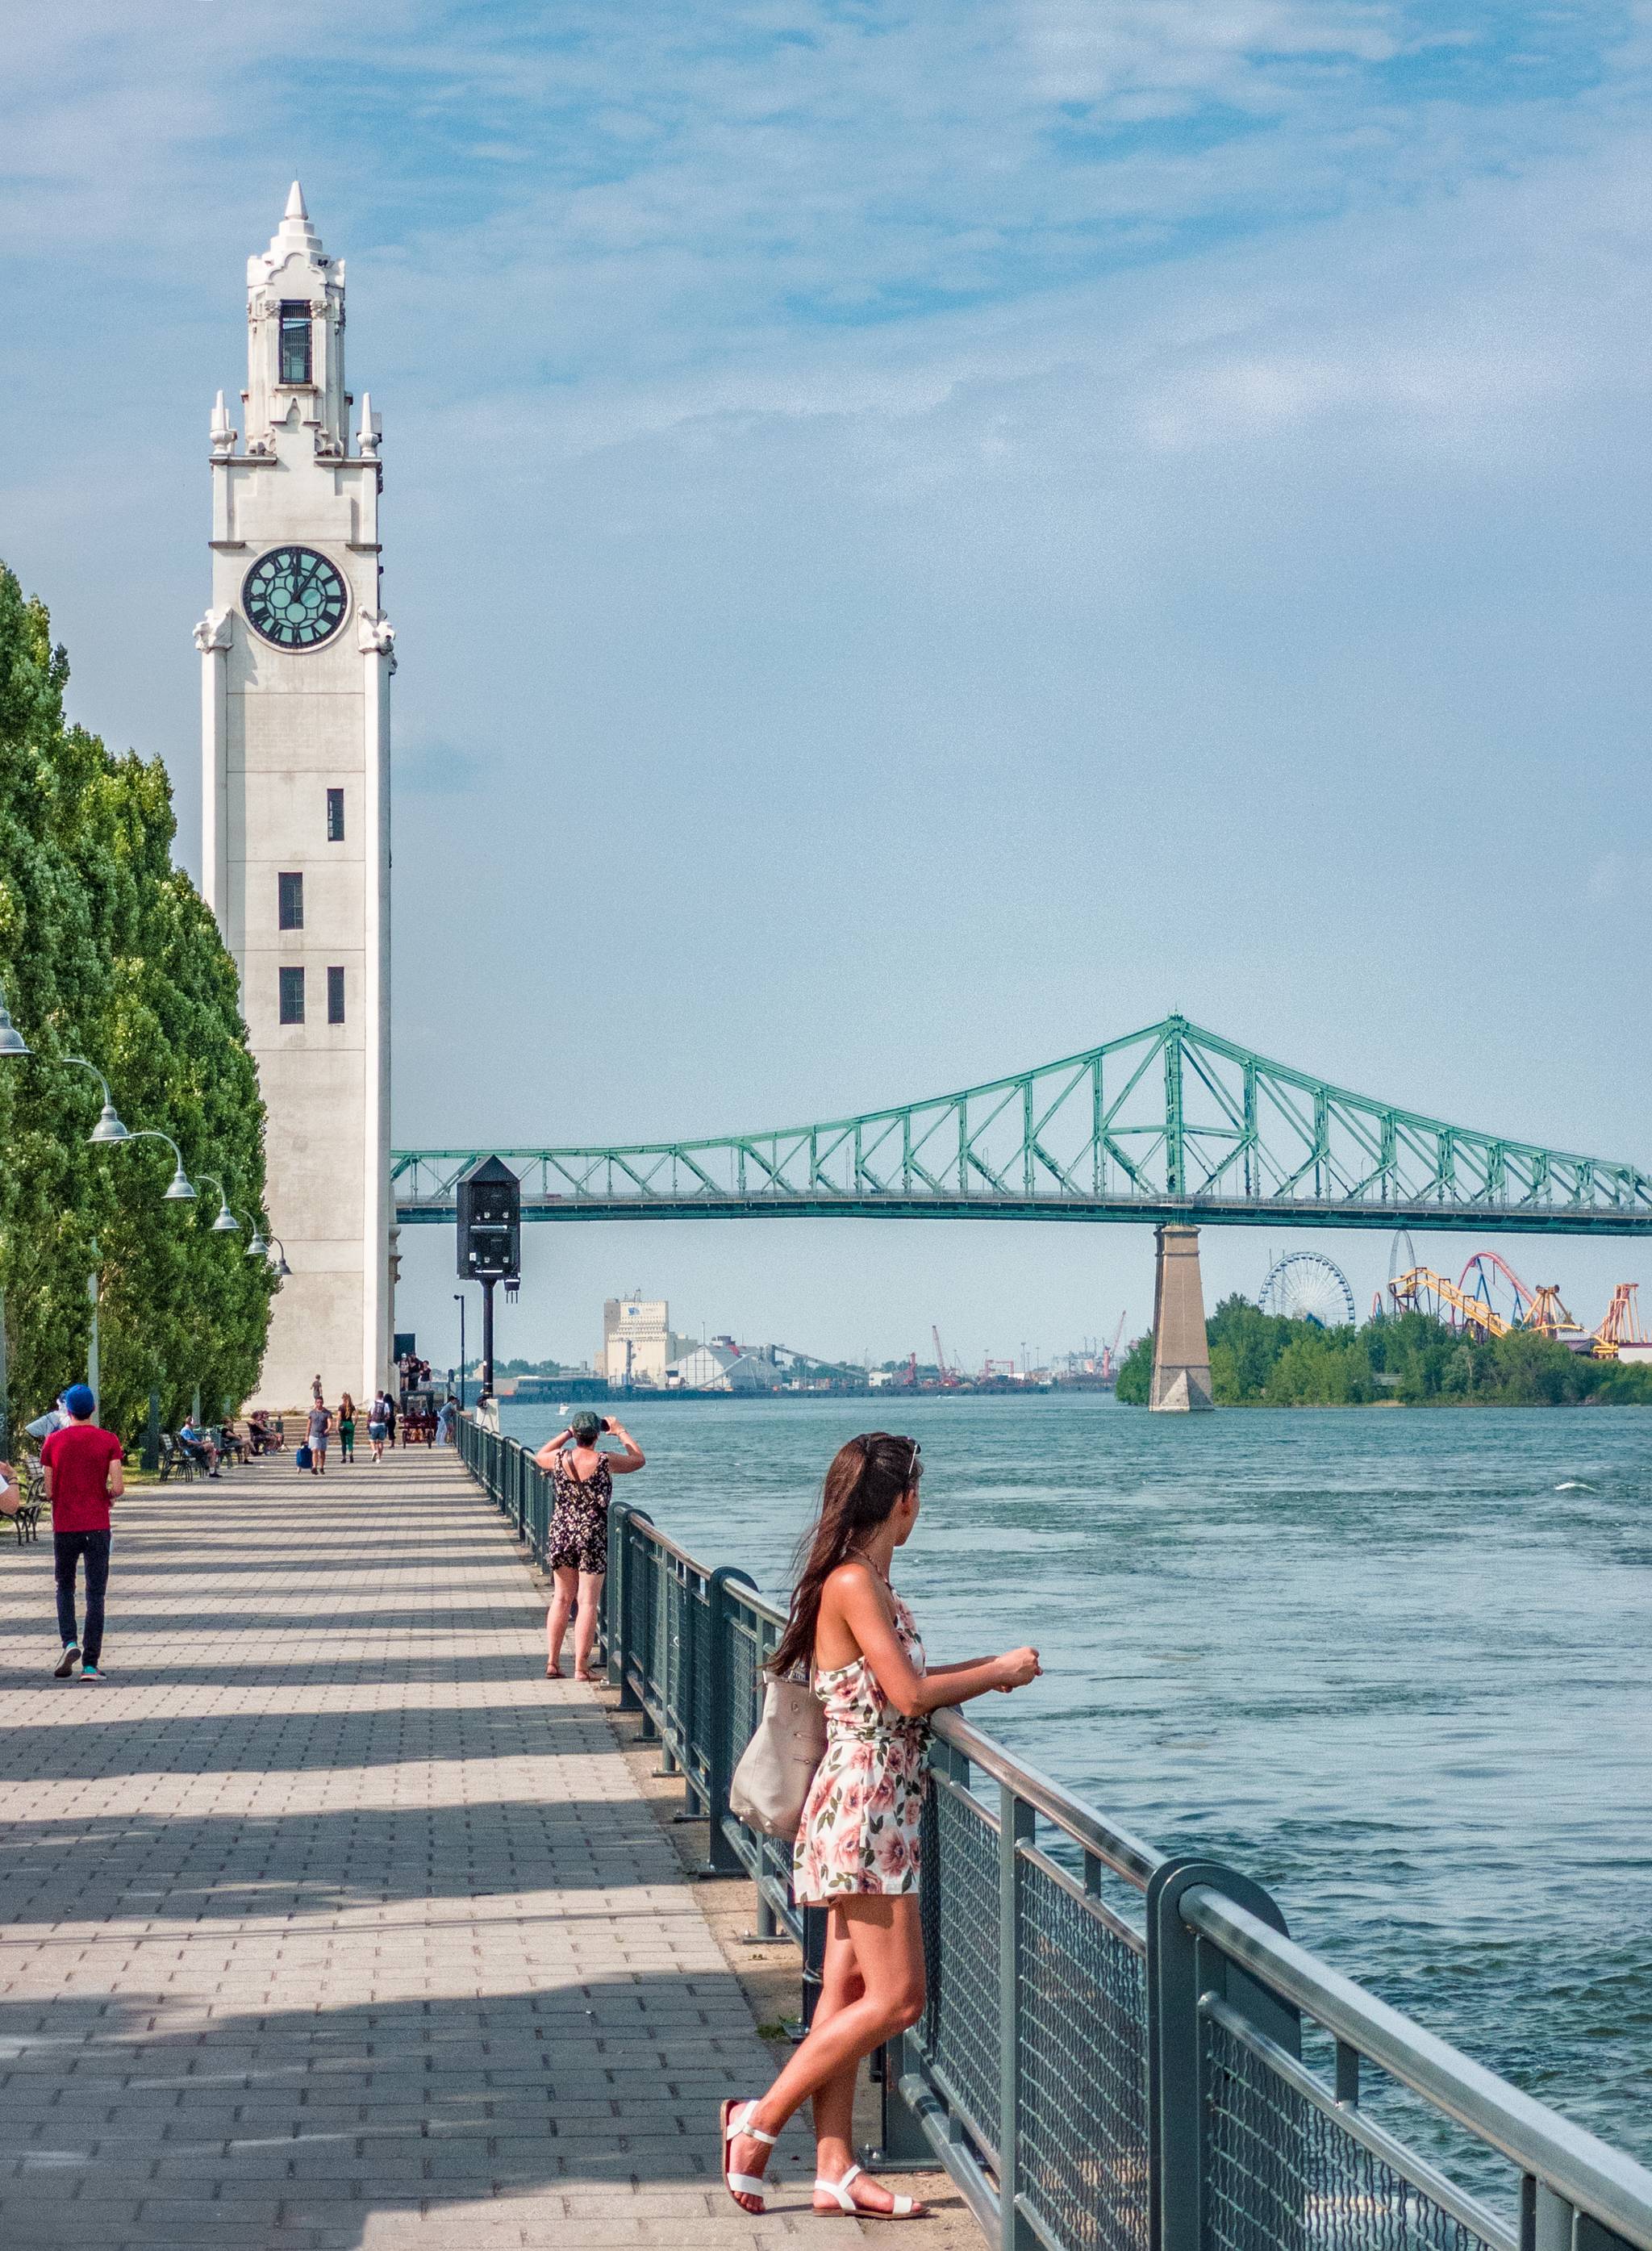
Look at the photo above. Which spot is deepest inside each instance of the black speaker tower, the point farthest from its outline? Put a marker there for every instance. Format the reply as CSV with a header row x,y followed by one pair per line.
x,y
490,1202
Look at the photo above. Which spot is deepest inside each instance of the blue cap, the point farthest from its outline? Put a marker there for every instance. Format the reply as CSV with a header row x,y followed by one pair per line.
x,y
77,1401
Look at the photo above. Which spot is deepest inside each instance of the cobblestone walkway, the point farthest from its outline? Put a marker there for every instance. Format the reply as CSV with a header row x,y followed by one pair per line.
x,y
328,1921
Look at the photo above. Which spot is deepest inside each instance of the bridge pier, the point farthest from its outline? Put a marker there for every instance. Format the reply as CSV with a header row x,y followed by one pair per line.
x,y
1181,1354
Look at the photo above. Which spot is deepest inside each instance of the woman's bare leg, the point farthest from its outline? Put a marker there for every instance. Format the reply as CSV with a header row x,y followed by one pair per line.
x,y
561,1603
841,1985
585,1621
886,1938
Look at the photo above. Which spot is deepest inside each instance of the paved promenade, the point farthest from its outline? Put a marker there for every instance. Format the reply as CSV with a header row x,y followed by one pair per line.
x,y
327,1921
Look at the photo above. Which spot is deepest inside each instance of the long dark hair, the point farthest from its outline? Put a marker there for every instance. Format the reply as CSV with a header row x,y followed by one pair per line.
x,y
867,1478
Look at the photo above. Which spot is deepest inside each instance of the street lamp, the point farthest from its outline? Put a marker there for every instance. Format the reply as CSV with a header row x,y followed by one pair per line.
x,y
226,1222
109,1127
257,1248
178,1188
283,1272
11,1040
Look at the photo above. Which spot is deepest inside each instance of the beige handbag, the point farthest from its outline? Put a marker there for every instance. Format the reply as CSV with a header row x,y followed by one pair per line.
x,y
776,1767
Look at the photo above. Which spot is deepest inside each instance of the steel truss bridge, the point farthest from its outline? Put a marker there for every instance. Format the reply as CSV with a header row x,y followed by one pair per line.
x,y
1170,1124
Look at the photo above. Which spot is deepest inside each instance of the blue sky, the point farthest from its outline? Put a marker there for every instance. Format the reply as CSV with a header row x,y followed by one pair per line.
x,y
919,539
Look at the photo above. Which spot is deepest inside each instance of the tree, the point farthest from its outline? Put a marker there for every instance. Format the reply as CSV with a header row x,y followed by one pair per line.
x,y
106,952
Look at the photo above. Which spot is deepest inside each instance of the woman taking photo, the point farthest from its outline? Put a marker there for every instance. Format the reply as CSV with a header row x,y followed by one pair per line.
x,y
857,1845
577,1548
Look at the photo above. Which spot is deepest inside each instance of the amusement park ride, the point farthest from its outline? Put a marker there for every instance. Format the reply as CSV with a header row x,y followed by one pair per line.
x,y
1487,1300
1469,1304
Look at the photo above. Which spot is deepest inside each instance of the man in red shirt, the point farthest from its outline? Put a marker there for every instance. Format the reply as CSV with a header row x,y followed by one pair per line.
x,y
83,1470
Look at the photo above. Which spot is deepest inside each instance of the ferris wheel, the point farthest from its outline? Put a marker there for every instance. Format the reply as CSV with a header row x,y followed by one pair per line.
x,y
1305,1285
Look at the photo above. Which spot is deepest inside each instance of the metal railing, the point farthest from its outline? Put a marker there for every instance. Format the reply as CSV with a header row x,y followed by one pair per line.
x,y
1111,2056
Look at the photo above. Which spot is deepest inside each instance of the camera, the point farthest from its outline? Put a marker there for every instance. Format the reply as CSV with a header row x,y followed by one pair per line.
x,y
603,1424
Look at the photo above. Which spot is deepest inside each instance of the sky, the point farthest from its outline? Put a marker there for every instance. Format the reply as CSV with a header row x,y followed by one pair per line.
x,y
919,539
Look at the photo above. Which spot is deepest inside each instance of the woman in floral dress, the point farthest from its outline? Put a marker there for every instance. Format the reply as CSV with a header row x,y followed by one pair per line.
x,y
858,1841
577,1544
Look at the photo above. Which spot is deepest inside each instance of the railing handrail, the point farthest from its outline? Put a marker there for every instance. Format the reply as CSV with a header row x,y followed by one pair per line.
x,y
1198,1927
1602,2181
1132,1858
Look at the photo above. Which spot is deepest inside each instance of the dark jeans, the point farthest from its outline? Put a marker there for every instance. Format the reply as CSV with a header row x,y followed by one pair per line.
x,y
66,1548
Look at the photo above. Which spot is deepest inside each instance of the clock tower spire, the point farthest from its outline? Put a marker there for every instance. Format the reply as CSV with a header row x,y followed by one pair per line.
x,y
296,656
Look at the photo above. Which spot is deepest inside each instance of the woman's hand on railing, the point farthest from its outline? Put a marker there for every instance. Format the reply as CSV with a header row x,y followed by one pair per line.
x,y
1017,1668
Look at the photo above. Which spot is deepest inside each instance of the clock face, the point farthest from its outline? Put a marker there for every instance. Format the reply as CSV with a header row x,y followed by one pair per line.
x,y
295,598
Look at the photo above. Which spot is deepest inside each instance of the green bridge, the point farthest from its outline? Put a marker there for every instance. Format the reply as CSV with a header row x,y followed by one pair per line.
x,y
1173,1126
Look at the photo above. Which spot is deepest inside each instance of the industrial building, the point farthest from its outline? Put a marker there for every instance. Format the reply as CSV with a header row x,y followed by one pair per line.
x,y
638,1343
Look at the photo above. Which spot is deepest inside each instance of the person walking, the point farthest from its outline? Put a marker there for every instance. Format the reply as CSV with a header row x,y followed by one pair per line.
x,y
391,1418
581,1478
378,1424
84,1477
346,1428
320,1422
857,1845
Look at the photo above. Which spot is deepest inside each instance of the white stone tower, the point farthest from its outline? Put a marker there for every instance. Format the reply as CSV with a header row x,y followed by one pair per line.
x,y
295,666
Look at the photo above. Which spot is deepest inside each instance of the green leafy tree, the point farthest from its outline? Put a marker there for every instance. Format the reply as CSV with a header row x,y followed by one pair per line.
x,y
1136,1373
1257,1359
106,952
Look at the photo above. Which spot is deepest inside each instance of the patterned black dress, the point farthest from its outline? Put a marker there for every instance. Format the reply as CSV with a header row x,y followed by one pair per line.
x,y
578,1535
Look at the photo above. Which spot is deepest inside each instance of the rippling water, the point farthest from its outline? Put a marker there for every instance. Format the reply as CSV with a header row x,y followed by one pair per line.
x,y
1397,1666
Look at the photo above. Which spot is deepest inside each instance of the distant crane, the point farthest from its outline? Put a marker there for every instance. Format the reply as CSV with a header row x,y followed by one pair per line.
x,y
1109,1353
947,1376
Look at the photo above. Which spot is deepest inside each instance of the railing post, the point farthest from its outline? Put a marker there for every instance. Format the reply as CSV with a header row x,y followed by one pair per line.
x,y
1181,1967
521,1466
720,1857
1017,1826
814,1934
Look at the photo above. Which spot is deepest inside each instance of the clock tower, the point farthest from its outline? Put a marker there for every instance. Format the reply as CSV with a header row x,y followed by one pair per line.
x,y
295,666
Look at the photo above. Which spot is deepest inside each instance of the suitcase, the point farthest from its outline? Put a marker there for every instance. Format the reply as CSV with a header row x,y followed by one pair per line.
x,y
301,1458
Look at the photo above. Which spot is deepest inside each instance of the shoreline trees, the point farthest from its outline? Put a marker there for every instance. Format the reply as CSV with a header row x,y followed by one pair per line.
x,y
1262,1359
107,951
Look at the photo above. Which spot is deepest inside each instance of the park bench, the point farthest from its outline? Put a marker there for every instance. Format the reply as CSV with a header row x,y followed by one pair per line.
x,y
31,1492
178,1462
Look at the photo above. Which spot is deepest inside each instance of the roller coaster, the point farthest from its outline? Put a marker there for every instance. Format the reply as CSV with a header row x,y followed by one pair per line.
x,y
1537,1311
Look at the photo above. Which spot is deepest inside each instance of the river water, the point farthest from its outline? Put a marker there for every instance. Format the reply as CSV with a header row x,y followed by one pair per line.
x,y
1396,1665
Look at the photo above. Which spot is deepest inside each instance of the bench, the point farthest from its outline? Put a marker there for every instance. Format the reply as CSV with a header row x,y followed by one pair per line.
x,y
178,1462
31,1492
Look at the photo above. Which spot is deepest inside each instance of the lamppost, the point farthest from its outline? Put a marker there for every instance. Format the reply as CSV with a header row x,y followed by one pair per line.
x,y
282,1270
226,1222
179,1188
459,1299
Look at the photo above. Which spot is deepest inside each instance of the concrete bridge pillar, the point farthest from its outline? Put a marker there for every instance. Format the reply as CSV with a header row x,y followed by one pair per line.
x,y
1181,1355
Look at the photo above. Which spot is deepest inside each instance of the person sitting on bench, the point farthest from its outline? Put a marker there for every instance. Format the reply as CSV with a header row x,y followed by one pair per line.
x,y
198,1445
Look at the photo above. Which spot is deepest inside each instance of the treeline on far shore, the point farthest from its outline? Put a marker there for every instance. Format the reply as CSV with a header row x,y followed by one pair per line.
x,y
1261,1360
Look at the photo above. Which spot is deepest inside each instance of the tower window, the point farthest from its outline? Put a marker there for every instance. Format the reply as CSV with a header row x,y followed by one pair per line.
x,y
296,343
336,816
292,996
336,996
289,892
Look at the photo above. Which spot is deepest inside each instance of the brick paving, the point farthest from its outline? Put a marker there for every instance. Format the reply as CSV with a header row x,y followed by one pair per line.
x,y
328,1921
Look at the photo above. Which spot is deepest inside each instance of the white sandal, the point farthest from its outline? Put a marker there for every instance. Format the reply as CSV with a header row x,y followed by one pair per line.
x,y
739,2185
904,2208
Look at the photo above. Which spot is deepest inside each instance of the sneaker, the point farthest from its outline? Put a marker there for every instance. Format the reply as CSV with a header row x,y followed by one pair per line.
x,y
67,1662
90,1672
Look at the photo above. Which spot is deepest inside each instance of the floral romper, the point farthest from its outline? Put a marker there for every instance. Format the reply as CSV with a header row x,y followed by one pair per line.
x,y
860,1827
579,1533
